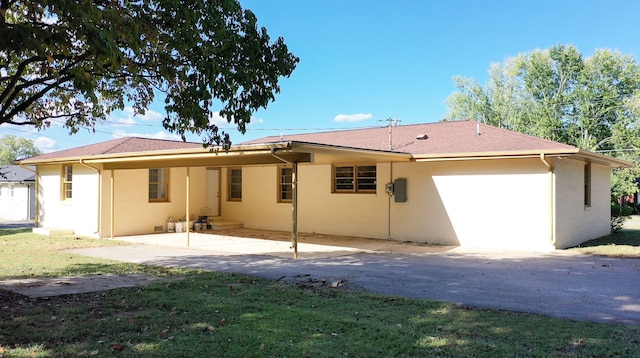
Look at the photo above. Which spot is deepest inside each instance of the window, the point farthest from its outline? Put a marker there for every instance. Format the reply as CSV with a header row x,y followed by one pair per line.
x,y
235,184
587,185
67,182
158,184
354,179
285,185
11,190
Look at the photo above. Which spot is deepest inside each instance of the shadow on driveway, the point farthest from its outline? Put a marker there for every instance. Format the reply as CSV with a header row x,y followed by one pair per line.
x,y
567,286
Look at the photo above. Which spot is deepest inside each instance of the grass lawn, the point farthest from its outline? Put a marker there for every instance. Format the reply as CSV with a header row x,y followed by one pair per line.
x,y
223,315
625,243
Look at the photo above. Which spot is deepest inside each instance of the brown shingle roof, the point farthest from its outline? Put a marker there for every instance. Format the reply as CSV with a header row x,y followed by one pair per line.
x,y
116,146
441,138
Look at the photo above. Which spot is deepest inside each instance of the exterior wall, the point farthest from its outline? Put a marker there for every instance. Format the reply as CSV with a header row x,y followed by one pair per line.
x,y
501,203
20,205
482,203
471,203
135,215
576,223
319,210
79,213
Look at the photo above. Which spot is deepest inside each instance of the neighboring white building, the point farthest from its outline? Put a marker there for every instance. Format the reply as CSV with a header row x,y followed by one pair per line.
x,y
17,193
451,183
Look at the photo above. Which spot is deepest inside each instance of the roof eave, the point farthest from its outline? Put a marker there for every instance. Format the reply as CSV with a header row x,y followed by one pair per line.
x,y
329,149
568,152
494,155
157,154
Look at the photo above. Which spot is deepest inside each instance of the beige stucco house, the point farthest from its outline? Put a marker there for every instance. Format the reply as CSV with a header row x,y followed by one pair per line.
x,y
452,183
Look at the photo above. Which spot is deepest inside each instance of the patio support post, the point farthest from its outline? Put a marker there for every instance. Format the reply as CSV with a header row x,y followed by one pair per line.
x,y
294,203
186,220
294,218
111,210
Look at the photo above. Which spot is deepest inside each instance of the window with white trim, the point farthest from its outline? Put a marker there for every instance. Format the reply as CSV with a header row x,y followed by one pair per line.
x,y
67,182
285,185
235,184
158,184
354,179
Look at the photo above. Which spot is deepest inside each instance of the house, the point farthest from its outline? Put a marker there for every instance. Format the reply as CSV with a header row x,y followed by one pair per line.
x,y
17,193
450,183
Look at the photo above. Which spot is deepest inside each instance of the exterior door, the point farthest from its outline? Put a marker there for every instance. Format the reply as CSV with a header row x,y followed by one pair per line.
x,y
213,191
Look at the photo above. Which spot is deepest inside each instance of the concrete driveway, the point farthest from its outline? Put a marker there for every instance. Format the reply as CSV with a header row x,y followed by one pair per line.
x,y
557,284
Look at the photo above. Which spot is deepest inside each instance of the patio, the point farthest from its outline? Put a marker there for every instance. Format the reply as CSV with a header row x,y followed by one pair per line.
x,y
278,243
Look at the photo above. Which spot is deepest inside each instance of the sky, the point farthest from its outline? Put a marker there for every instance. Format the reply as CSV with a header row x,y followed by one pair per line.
x,y
364,61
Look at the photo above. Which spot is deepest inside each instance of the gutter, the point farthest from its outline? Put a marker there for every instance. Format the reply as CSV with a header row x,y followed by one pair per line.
x,y
552,238
294,203
163,154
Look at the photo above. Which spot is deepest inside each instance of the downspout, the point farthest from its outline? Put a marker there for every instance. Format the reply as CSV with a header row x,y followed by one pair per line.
x,y
99,211
552,238
294,203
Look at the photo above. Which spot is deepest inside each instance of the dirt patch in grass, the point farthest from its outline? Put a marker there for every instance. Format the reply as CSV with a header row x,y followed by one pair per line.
x,y
67,285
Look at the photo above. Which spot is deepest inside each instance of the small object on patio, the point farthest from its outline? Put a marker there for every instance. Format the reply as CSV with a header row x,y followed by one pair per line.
x,y
180,226
197,226
171,226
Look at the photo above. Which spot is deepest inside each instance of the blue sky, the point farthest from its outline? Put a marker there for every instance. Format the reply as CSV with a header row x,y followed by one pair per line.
x,y
363,61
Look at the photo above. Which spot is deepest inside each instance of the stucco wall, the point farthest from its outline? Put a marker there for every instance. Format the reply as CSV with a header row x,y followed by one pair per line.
x,y
488,203
20,205
576,223
497,203
79,213
319,210
134,214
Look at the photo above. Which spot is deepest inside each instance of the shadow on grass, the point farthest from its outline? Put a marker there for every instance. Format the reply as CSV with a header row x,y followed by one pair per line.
x,y
13,230
217,314
628,237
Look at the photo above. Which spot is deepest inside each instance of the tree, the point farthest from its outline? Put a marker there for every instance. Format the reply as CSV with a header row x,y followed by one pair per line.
x,y
13,148
592,103
77,61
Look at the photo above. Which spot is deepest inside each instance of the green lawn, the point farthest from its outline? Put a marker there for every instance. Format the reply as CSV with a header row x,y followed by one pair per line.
x,y
222,315
625,243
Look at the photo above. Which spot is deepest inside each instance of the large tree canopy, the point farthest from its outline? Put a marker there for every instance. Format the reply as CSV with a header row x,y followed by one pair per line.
x,y
77,61
13,148
592,103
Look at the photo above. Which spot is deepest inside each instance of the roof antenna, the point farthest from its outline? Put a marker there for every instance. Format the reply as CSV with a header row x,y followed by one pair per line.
x,y
390,121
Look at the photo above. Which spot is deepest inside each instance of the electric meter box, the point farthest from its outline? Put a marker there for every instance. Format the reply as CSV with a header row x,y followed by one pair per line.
x,y
400,190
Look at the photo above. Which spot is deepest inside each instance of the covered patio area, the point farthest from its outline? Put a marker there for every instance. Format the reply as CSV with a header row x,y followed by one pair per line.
x,y
278,243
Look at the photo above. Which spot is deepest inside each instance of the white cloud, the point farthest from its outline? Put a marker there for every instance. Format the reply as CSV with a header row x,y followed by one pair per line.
x,y
149,114
156,135
45,144
217,119
124,122
352,117
127,118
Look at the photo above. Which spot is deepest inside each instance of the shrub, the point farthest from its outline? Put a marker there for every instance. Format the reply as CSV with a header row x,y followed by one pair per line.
x,y
619,213
621,210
